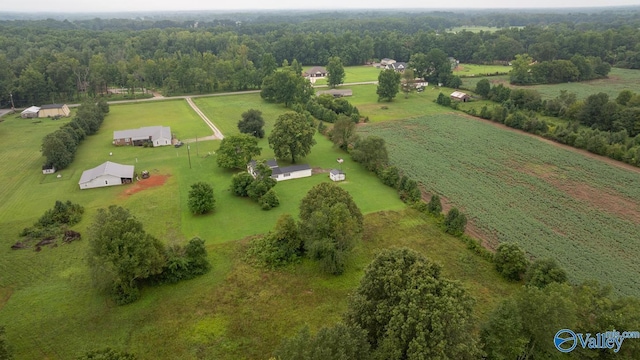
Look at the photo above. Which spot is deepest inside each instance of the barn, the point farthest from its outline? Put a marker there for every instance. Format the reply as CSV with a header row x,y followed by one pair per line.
x,y
157,135
460,96
53,110
282,173
106,174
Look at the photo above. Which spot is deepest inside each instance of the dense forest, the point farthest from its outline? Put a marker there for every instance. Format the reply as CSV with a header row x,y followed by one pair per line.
x,y
44,61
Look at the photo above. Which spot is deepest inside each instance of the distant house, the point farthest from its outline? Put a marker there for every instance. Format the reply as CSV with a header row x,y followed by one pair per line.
x,y
316,72
386,61
420,82
52,110
106,174
336,92
281,173
460,96
157,135
337,175
30,112
48,169
397,66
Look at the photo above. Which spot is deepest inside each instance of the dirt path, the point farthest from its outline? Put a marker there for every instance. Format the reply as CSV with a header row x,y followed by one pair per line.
x,y
216,133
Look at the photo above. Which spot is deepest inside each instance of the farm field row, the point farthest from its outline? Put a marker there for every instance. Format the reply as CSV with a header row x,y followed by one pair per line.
x,y
552,201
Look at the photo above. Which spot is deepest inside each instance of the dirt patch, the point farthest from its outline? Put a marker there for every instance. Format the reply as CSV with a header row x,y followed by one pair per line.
x,y
487,240
144,184
319,170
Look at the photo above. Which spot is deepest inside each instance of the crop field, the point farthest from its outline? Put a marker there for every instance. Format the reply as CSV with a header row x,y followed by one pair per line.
x,y
618,80
51,310
552,201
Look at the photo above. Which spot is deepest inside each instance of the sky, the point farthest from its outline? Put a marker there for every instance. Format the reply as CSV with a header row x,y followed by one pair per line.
x,y
245,5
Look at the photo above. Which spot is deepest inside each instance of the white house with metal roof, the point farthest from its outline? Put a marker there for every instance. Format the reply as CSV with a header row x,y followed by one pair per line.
x,y
106,174
337,175
157,135
282,173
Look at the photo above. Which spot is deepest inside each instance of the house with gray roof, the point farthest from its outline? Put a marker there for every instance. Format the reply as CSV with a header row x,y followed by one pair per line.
x,y
282,173
106,174
157,135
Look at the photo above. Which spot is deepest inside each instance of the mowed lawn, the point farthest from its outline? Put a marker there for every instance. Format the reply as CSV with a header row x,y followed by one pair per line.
x,y
551,201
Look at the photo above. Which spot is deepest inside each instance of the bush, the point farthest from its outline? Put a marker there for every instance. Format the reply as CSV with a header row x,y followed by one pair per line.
x,y
240,182
544,272
269,200
435,205
455,222
201,199
510,261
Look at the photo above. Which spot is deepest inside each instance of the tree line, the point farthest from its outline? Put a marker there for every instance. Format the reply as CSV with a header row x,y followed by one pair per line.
x,y
55,61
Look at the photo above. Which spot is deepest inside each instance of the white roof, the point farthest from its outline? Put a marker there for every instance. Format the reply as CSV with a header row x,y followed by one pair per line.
x,y
336,172
31,110
156,132
458,94
107,168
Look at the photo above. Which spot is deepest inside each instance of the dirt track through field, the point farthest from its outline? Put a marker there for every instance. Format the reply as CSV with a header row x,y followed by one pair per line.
x,y
217,134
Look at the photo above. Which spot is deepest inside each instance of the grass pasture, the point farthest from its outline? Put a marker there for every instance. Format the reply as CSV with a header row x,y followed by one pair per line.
x,y
552,201
618,80
472,70
51,310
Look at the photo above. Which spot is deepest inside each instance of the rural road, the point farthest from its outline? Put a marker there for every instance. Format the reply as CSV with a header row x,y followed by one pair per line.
x,y
217,135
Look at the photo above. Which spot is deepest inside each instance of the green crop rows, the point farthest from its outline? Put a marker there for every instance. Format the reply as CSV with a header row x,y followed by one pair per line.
x,y
552,201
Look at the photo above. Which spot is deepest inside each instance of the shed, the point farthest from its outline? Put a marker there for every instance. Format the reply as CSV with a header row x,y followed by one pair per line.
x,y
386,61
106,174
30,112
48,169
460,96
337,175
52,110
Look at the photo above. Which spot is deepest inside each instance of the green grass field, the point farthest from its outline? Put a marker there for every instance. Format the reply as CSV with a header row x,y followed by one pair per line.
x,y
553,202
51,310
470,70
353,74
618,80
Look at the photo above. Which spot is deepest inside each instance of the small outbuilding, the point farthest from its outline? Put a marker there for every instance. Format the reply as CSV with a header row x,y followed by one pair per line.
x,y
53,110
48,169
337,175
30,112
460,96
106,174
282,173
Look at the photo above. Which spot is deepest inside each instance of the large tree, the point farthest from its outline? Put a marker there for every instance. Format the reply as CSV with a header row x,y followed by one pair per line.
x,y
510,261
201,199
410,311
343,132
388,85
122,254
286,87
292,136
236,151
335,72
252,123
434,66
371,152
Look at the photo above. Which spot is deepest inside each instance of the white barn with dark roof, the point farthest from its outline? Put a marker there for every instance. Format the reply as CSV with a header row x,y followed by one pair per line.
x,y
282,173
106,174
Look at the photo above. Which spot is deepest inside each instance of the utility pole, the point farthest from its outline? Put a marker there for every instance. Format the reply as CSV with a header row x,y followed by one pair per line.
x,y
12,106
189,155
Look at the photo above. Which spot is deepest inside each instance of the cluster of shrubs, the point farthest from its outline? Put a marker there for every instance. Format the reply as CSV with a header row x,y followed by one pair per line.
x,y
60,146
511,262
328,108
183,263
54,223
259,189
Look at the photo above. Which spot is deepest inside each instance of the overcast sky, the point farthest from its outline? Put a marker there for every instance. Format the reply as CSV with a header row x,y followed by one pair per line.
x,y
159,5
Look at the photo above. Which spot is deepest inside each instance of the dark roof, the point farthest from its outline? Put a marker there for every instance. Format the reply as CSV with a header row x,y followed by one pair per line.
x,y
52,106
336,172
290,169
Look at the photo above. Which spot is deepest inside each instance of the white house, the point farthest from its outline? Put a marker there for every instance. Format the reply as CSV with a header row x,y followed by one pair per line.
x,y
30,112
337,175
158,135
282,173
106,174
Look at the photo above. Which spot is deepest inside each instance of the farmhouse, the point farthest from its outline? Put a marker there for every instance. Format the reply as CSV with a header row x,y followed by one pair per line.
x,y
106,174
337,175
157,135
386,61
316,72
336,92
30,112
52,110
282,173
397,66
460,96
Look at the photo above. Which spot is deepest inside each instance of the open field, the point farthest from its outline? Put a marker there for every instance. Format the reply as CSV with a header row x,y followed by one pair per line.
x,y
466,70
553,202
618,80
354,74
236,311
